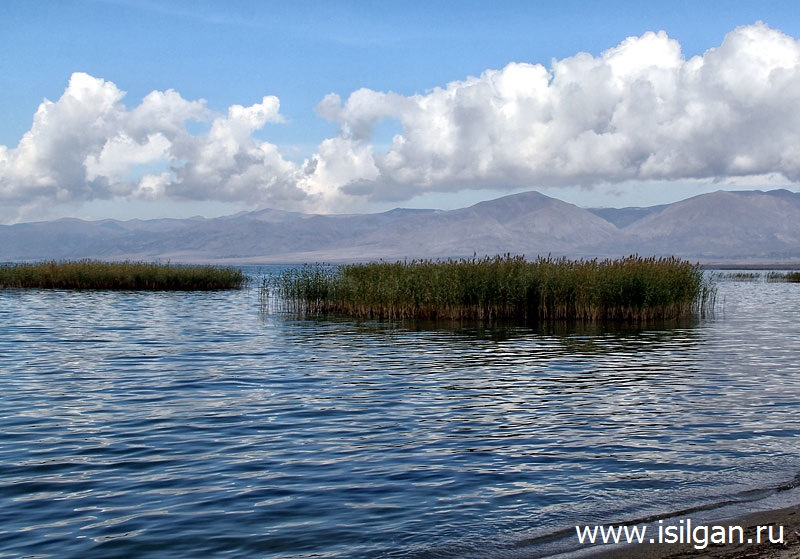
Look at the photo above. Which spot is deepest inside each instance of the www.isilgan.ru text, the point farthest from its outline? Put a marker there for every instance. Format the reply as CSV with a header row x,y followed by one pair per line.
x,y
699,536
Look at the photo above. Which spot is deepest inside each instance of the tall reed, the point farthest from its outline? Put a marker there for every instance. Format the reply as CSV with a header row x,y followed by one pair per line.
x,y
500,288
791,277
93,274
739,276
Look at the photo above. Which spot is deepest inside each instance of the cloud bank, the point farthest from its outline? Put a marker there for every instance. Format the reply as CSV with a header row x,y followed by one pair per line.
x,y
639,111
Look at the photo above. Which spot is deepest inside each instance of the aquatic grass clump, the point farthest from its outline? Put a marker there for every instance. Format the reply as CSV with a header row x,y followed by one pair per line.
x,y
791,277
307,290
94,274
499,289
740,276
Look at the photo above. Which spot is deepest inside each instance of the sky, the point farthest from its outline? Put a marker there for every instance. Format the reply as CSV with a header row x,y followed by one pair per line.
x,y
140,109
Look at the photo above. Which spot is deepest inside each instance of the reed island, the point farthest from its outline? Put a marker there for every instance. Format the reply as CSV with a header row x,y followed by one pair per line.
x,y
138,276
501,288
790,277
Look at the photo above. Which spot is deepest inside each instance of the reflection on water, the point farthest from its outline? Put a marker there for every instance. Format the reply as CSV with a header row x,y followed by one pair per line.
x,y
188,425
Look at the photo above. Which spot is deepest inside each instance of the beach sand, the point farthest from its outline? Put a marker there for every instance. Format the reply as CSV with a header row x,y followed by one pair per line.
x,y
789,518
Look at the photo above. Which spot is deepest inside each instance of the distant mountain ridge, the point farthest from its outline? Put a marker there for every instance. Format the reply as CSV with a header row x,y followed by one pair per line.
x,y
723,226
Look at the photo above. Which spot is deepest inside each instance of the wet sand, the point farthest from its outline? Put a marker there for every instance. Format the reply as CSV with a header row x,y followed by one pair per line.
x,y
789,518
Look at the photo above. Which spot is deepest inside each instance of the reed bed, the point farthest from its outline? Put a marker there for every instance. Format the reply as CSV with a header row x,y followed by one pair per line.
x,y
93,274
506,288
740,276
792,277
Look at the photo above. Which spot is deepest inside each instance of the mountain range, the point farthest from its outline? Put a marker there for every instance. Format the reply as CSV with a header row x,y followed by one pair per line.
x,y
719,227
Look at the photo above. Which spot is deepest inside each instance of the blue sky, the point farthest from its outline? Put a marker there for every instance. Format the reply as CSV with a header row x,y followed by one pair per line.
x,y
342,158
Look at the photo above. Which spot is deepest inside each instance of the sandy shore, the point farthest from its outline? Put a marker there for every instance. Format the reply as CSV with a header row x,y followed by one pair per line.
x,y
789,518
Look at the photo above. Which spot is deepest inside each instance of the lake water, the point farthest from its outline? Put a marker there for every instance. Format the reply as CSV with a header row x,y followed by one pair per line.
x,y
198,425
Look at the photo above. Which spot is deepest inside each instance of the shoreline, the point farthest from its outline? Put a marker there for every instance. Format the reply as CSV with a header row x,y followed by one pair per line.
x,y
788,518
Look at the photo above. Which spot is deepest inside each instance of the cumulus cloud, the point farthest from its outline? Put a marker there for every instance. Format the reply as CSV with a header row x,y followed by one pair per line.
x,y
87,145
640,111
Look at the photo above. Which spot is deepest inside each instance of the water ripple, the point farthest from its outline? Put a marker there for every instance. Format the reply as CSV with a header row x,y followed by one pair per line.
x,y
183,424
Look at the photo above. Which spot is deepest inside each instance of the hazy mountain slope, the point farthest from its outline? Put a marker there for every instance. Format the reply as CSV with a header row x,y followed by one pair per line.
x,y
622,217
529,223
75,238
717,226
250,236
726,225
242,236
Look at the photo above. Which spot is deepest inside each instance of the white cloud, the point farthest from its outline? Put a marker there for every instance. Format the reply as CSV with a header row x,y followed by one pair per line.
x,y
88,146
228,163
121,153
639,112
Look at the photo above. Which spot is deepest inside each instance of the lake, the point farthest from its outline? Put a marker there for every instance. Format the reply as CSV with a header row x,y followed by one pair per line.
x,y
203,425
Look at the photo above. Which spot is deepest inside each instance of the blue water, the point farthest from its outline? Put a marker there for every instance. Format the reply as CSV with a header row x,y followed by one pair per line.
x,y
201,425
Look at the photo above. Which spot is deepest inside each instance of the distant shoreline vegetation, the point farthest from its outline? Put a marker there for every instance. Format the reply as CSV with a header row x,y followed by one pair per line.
x,y
791,277
507,288
788,277
138,276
